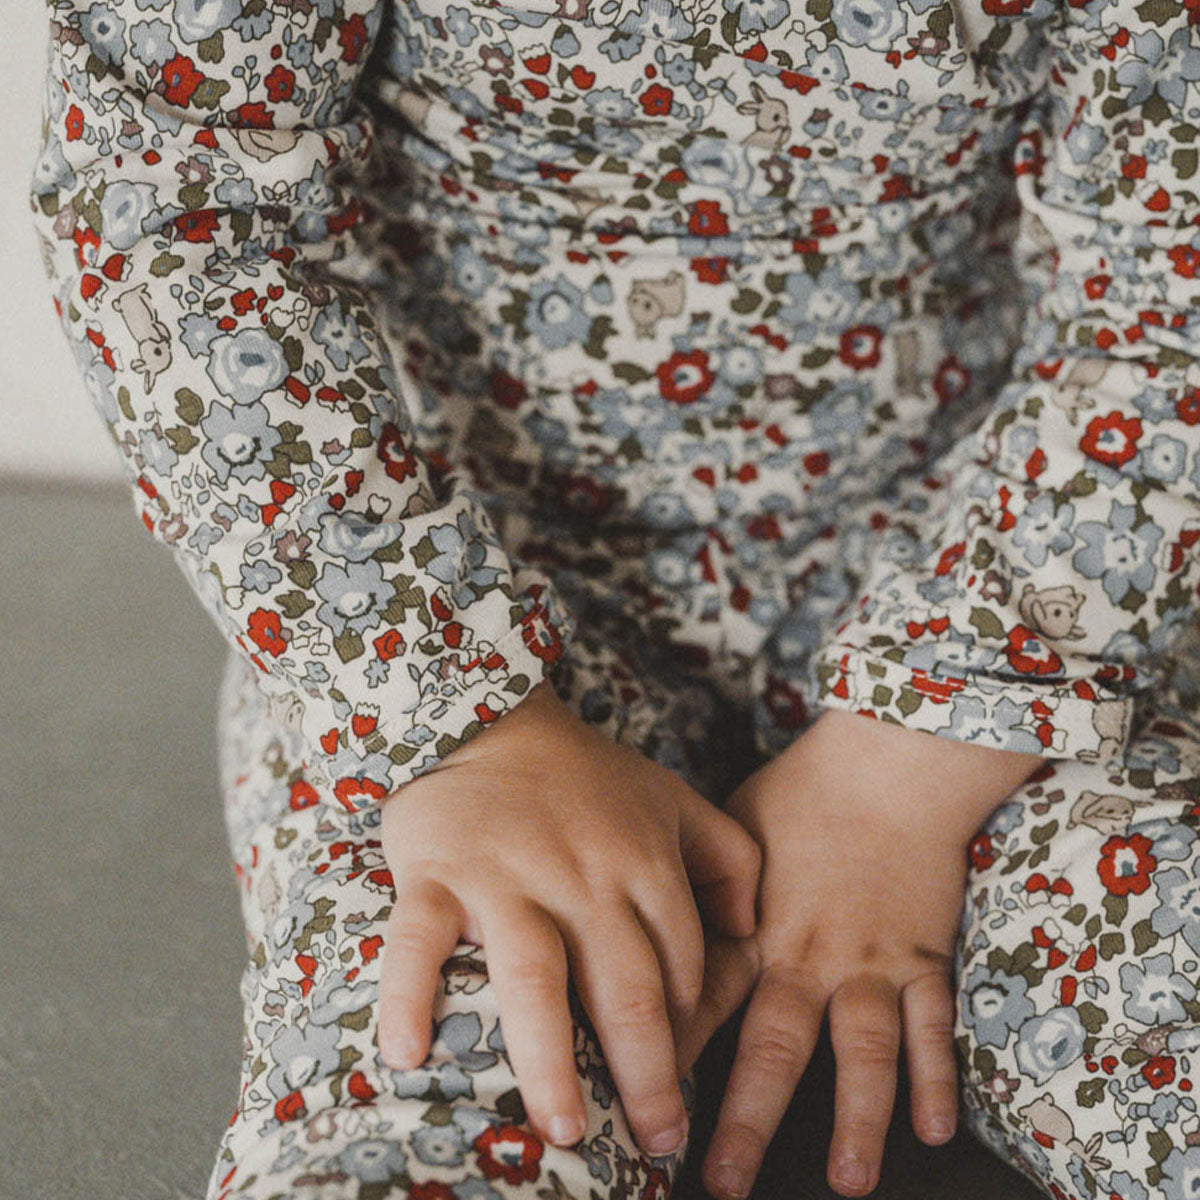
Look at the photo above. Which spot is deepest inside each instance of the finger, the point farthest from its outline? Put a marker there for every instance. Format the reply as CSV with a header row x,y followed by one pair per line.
x,y
730,969
776,1041
864,1026
620,982
668,916
527,965
422,931
723,863
927,1005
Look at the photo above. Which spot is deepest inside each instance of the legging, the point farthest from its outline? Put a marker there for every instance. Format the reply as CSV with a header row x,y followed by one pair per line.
x,y
1076,974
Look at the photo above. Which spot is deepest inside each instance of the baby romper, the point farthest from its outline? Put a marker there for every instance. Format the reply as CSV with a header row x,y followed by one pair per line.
x,y
718,361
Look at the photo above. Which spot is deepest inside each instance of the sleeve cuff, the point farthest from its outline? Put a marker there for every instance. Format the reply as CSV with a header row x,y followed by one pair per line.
x,y
362,758
1070,719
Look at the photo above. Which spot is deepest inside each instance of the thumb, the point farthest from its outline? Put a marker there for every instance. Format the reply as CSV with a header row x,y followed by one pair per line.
x,y
723,863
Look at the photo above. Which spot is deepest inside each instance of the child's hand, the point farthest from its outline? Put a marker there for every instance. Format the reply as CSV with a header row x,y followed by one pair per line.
x,y
864,827
553,847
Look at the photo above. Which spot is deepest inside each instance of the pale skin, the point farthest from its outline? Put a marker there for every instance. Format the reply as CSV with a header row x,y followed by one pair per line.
x,y
863,830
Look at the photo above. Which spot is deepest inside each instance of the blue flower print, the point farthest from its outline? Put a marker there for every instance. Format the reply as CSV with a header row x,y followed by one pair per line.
x,y
353,596
1047,1044
104,33
1122,1184
439,1145
472,274
1178,910
338,332
875,24
610,104
246,365
995,1005
124,211
555,313
1181,1174
1155,991
198,20
353,537
372,1160
150,43
1172,840
757,16
1117,553
451,1057
461,559
460,25
1164,459
970,721
1043,529
239,441
821,305
302,1055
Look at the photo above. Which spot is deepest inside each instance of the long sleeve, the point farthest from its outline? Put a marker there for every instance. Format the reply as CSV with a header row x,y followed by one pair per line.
x,y
195,193
1035,581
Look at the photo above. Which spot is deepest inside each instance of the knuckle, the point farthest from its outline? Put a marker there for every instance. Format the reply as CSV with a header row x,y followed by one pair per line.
x,y
638,1006
408,940
876,1047
536,979
773,1050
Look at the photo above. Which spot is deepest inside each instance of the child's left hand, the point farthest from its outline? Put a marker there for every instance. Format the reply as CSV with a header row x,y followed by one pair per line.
x,y
864,826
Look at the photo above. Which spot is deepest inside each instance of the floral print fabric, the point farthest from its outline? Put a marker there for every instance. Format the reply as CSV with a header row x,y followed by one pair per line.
x,y
879,315
717,360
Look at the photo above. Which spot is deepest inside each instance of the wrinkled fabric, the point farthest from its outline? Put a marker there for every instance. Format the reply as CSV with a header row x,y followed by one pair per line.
x,y
716,361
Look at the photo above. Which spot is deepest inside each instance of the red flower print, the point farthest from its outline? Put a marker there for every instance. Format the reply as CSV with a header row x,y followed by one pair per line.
x,y
266,631
1185,261
707,219
951,380
197,226
507,391
710,270
657,1185
181,79
303,795
1187,408
859,347
1111,440
1028,654
656,100
399,461
388,645
509,1153
354,793
541,638
290,1107
352,37
252,116
981,852
786,705
582,494
1159,1071
1005,8
280,84
685,377
74,123
431,1189
948,557
1126,864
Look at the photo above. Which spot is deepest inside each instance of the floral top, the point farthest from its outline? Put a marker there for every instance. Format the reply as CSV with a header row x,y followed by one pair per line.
x,y
913,279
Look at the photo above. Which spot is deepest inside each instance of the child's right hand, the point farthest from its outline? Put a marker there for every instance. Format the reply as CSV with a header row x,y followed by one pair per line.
x,y
555,847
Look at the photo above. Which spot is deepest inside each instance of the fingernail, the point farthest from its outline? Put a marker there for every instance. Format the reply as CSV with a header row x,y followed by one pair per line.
x,y
667,1141
850,1173
399,1053
566,1131
731,1180
941,1129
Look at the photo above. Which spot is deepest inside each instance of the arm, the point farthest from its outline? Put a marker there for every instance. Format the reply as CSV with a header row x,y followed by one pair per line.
x,y
1058,554
196,194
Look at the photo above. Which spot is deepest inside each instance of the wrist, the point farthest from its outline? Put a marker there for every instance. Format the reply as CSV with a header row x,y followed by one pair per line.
x,y
886,772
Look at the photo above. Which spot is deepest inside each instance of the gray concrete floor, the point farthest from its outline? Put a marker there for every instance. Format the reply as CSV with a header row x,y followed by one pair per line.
x,y
120,942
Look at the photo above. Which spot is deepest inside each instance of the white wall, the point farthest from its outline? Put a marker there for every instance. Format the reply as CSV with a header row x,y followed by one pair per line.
x,y
48,427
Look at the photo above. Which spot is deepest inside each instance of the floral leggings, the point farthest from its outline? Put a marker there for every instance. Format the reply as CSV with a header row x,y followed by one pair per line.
x,y
1077,973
